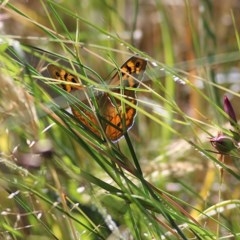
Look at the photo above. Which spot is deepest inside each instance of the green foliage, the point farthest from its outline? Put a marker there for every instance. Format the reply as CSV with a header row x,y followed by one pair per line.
x,y
162,180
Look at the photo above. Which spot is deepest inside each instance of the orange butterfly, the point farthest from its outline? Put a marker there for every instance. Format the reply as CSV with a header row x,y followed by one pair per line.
x,y
114,118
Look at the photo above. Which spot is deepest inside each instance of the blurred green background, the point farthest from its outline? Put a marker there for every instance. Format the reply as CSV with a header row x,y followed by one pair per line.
x,y
56,184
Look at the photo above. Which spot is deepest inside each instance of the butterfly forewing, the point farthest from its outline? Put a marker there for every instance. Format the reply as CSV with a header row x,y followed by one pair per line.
x,y
69,84
69,81
130,73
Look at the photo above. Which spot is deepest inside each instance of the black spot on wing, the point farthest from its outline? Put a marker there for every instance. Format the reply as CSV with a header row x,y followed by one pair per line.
x,y
65,77
129,69
57,73
73,79
138,64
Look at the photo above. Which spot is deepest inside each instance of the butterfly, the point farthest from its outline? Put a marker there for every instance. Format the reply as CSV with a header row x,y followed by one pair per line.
x,y
114,117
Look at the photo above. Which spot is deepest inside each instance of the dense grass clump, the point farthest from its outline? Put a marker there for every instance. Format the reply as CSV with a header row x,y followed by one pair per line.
x,y
174,174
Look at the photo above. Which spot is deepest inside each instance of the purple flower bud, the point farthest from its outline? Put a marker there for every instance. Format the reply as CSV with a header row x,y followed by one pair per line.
x,y
229,109
223,144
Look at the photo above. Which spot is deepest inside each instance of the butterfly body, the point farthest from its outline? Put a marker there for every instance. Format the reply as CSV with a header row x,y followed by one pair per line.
x,y
115,116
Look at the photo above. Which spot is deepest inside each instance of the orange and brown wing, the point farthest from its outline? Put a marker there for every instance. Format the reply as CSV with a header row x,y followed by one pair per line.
x,y
69,84
69,81
130,73
117,121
